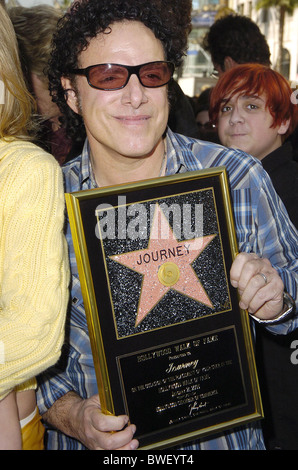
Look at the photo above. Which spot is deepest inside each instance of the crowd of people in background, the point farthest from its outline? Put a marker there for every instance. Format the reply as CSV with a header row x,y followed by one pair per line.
x,y
34,272
54,129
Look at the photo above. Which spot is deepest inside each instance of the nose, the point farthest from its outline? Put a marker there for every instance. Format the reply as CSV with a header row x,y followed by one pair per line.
x,y
236,116
134,93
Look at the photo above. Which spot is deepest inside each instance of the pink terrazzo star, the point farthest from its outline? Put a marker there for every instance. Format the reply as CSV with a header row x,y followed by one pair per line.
x,y
165,250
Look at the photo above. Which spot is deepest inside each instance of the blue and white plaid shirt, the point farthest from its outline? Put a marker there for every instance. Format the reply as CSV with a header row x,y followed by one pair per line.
x,y
262,226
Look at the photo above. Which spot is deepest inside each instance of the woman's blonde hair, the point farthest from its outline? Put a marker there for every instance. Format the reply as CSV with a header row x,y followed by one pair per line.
x,y
16,105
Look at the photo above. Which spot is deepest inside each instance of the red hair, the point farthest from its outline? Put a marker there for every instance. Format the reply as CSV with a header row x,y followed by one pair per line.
x,y
256,79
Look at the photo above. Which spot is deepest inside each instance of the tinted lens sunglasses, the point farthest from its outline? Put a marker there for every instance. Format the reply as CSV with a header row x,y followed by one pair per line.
x,y
116,76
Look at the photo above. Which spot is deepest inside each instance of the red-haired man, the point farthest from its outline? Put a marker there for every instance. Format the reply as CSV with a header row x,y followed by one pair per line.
x,y
252,107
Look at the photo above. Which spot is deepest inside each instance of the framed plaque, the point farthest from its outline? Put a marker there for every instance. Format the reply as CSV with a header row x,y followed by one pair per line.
x,y
171,347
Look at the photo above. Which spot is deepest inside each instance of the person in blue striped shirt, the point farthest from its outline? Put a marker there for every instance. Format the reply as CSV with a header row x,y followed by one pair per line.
x,y
111,76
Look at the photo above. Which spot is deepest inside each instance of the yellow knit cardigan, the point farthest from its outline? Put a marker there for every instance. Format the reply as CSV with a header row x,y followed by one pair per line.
x,y
34,271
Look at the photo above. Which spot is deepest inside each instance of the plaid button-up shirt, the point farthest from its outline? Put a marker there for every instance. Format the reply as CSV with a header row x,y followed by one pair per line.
x,y
262,226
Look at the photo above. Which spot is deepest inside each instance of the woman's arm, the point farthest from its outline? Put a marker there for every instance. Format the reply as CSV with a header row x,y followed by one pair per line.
x,y
10,431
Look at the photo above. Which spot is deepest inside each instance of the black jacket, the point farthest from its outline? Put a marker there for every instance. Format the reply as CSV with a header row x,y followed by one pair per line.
x,y
283,171
278,376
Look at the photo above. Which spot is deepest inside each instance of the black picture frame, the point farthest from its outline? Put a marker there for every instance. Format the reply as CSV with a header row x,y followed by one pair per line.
x,y
185,368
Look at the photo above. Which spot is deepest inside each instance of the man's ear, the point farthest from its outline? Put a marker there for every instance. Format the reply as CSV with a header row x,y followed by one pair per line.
x,y
229,63
283,128
70,94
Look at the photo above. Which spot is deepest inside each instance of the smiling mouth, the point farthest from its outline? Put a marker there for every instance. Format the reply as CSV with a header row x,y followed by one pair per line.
x,y
132,119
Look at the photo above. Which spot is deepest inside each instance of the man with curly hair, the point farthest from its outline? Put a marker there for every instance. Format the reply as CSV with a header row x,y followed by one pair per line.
x,y
235,39
111,63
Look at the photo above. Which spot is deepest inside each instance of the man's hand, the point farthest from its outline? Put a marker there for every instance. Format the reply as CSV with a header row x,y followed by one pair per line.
x,y
98,431
84,421
260,286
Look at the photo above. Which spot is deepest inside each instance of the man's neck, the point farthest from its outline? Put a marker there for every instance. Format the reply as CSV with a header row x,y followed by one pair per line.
x,y
114,169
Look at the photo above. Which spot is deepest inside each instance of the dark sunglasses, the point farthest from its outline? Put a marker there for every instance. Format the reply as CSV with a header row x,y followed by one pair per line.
x,y
115,76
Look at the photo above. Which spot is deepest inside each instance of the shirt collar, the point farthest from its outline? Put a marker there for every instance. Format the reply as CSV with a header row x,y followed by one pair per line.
x,y
87,178
175,154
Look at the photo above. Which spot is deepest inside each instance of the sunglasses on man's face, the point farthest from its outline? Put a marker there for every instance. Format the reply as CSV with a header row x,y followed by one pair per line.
x,y
115,76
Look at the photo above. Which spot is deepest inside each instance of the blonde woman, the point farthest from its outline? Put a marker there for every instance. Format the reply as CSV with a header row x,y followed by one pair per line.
x,y
33,256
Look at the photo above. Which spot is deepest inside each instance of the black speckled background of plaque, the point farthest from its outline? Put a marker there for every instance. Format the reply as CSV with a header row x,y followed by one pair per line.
x,y
174,307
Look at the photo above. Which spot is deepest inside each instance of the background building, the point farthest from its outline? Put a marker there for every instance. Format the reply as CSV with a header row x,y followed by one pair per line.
x,y
197,69
268,20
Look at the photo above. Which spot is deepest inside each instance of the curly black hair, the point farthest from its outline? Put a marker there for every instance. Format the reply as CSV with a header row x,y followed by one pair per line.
x,y
237,37
170,21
